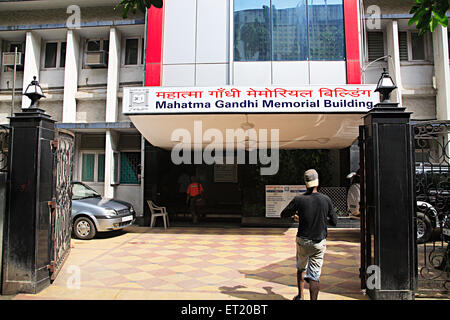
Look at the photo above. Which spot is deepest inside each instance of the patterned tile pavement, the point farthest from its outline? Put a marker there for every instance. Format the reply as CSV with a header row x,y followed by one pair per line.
x,y
201,264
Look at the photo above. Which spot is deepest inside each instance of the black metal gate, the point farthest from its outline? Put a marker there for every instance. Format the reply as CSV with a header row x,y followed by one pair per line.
x,y
61,206
432,172
366,234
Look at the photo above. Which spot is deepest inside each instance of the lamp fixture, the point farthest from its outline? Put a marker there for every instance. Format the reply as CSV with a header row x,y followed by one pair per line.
x,y
385,86
34,92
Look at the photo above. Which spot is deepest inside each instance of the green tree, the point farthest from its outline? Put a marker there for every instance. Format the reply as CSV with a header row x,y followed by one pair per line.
x,y
428,14
134,5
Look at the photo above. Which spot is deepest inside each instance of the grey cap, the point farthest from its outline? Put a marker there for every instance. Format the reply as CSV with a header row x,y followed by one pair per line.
x,y
311,178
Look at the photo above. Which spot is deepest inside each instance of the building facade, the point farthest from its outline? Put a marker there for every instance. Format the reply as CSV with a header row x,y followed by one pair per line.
x,y
83,69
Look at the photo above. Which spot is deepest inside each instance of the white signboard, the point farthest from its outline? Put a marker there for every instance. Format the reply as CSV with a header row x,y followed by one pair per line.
x,y
278,197
167,100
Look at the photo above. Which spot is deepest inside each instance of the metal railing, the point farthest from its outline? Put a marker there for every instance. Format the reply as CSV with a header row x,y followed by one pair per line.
x,y
4,147
432,172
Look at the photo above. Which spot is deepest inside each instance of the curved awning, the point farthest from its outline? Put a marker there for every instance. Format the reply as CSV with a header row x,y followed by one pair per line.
x,y
296,131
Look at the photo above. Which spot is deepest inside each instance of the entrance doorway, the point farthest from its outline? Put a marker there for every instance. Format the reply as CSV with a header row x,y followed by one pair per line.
x,y
236,194
166,184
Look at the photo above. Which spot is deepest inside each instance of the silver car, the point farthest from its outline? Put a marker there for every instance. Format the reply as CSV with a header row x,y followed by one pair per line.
x,y
91,213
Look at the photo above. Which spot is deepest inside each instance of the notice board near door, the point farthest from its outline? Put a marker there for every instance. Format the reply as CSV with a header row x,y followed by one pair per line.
x,y
279,196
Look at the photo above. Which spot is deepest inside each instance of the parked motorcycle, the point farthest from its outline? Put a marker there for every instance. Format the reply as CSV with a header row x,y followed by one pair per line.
x,y
427,216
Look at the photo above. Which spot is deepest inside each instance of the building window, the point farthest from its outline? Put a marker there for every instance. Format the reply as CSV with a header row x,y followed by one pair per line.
x,y
143,51
93,167
411,46
288,30
403,45
417,46
134,51
88,167
62,50
375,45
55,55
101,167
326,30
130,167
251,30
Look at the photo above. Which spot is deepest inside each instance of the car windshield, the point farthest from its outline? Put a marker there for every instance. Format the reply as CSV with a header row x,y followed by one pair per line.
x,y
82,191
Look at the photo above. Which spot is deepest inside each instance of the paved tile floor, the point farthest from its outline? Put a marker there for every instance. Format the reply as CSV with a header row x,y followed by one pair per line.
x,y
201,263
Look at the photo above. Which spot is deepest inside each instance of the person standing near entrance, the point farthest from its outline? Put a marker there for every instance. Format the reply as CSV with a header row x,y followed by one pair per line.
x,y
194,196
313,210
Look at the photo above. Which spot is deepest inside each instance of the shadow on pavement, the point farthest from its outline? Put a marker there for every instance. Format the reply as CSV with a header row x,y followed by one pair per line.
x,y
251,295
351,236
201,230
106,235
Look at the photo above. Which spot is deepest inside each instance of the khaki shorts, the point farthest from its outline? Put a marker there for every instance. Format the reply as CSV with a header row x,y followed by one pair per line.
x,y
310,257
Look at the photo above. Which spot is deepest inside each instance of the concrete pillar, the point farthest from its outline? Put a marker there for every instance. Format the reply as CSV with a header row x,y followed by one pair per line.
x,y
113,75
394,63
110,147
32,63
71,77
441,72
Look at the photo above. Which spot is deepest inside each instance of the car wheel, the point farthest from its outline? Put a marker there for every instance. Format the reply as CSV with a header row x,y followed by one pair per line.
x,y
424,228
84,228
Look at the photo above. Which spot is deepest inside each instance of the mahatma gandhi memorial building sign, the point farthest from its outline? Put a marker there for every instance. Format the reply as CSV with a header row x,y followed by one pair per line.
x,y
311,99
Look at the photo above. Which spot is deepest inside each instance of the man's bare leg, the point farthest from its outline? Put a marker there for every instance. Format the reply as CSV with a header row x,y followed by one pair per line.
x,y
300,285
313,289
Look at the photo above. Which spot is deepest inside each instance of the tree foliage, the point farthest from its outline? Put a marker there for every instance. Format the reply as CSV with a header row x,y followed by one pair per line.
x,y
134,5
428,14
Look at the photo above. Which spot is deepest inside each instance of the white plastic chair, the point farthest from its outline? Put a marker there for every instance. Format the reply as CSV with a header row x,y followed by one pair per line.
x,y
158,212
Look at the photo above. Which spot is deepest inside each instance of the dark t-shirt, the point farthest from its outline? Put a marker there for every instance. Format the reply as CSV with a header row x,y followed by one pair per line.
x,y
313,210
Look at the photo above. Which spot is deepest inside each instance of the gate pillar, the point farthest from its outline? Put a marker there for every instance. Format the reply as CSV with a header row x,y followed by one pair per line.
x,y
388,203
27,244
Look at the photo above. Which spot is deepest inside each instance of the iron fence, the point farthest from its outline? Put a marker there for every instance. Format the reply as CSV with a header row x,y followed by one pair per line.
x,y
62,206
432,160
4,147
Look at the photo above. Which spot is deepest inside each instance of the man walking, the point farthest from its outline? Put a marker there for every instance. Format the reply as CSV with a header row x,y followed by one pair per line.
x,y
313,210
194,196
